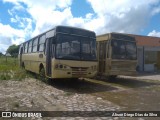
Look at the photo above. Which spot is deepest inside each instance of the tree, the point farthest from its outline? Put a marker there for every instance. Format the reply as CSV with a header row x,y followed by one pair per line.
x,y
1,54
13,50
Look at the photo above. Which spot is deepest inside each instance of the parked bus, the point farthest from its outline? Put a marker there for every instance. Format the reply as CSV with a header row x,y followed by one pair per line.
x,y
117,54
62,52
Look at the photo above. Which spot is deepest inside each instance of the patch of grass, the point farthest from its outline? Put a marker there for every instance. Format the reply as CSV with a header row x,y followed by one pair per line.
x,y
5,76
9,69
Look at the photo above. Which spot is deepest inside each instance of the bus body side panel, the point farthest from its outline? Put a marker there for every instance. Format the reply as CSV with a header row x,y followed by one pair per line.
x,y
32,61
123,67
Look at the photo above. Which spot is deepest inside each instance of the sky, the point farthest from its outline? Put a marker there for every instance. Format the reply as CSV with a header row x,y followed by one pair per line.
x,y
21,20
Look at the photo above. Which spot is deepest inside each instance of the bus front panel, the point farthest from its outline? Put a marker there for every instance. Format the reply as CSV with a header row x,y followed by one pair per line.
x,y
73,69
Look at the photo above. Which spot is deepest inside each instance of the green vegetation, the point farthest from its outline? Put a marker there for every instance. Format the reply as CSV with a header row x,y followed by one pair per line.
x,y
13,50
9,69
1,54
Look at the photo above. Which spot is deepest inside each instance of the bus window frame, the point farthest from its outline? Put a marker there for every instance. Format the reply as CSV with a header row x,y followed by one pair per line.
x,y
125,42
38,49
21,47
37,38
56,34
52,45
31,41
135,46
107,49
26,48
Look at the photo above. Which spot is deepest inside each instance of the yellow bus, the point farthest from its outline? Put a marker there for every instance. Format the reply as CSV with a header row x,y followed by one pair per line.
x,y
62,52
117,54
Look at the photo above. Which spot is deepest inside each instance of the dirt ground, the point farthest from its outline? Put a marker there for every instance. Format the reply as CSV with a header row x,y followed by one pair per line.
x,y
123,93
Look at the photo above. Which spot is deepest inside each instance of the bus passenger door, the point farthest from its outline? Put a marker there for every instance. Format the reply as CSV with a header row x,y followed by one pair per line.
x,y
48,57
102,57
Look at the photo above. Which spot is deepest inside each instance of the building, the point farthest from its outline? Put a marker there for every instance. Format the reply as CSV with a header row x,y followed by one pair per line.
x,y
148,53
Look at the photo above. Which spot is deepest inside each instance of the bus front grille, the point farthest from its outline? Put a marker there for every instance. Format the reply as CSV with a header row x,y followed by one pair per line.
x,y
79,71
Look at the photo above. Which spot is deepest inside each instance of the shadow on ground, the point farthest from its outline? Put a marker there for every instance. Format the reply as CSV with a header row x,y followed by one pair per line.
x,y
147,74
81,86
130,83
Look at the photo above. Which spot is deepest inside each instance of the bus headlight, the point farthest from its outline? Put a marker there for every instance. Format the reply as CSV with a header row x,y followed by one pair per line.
x,y
61,66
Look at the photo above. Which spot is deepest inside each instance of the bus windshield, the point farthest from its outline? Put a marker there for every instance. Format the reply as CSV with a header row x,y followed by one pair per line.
x,y
75,47
123,50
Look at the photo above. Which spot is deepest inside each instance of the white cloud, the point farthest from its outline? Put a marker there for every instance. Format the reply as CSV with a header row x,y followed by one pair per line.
x,y
109,16
89,16
3,48
5,40
13,20
154,33
9,35
123,15
46,19
156,10
7,30
46,4
44,15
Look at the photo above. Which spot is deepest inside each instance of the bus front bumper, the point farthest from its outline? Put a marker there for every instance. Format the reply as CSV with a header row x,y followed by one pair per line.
x,y
72,74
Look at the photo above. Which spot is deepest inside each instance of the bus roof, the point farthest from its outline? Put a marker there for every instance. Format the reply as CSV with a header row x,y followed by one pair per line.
x,y
114,35
75,30
68,30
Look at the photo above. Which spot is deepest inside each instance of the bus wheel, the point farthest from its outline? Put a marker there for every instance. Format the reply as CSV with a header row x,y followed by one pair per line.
x,y
42,75
22,66
112,77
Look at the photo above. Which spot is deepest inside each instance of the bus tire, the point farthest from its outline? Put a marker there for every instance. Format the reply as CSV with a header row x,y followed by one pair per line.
x,y
112,77
42,76
23,66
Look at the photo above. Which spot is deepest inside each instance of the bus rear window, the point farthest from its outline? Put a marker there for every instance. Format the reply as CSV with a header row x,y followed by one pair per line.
x,y
123,50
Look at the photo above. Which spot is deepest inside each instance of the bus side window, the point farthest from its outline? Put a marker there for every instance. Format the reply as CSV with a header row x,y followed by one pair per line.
x,y
21,49
26,47
53,46
97,49
41,44
108,48
104,49
53,50
35,44
107,53
30,47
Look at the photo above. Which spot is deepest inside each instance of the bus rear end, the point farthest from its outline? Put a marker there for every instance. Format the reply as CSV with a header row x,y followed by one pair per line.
x,y
117,55
124,55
